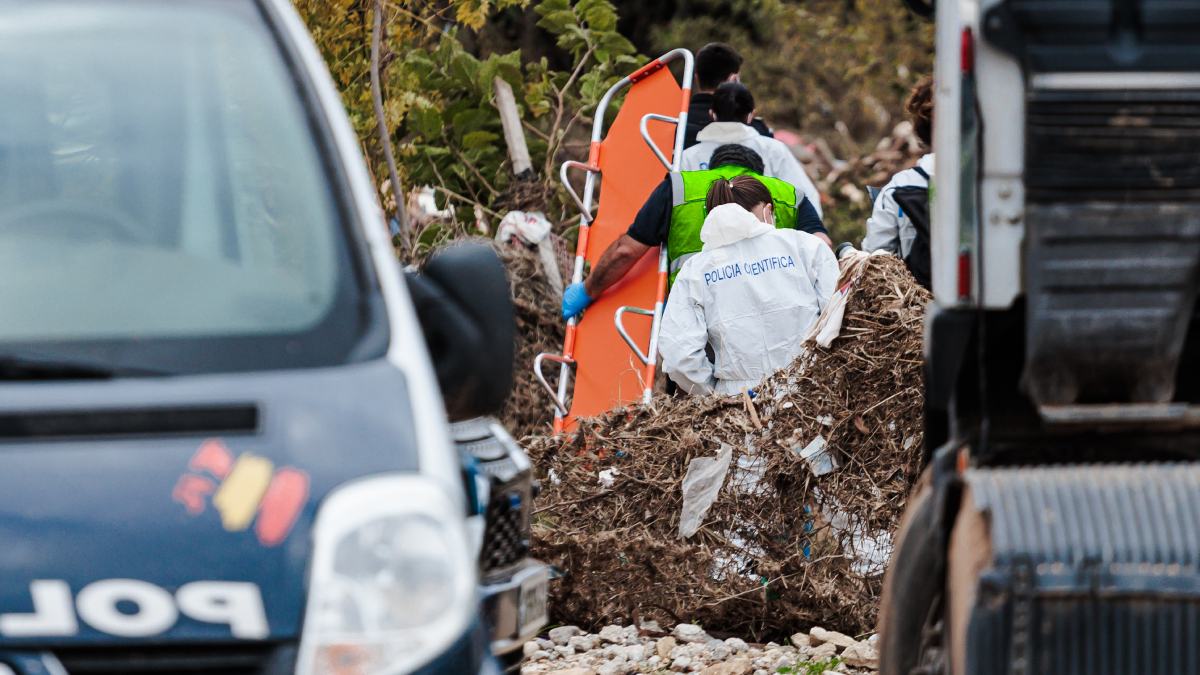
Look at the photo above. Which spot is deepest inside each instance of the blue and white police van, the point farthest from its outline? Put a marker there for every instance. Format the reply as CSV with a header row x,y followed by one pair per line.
x,y
224,437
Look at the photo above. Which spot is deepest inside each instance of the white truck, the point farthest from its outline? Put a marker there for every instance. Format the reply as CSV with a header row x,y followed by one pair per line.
x,y
1055,529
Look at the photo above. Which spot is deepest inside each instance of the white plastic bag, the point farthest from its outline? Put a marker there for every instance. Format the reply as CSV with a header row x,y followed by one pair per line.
x,y
701,485
829,324
533,229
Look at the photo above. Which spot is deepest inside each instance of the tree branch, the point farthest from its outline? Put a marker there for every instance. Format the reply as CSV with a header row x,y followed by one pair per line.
x,y
535,130
553,139
462,158
385,136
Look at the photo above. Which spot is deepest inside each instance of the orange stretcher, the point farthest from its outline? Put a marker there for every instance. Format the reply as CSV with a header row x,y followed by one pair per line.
x,y
610,369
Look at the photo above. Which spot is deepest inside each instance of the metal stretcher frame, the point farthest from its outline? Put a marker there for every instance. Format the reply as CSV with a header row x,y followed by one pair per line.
x,y
649,358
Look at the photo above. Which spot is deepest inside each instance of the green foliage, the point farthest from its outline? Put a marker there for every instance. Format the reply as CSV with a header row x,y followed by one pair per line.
x,y
811,64
439,97
815,668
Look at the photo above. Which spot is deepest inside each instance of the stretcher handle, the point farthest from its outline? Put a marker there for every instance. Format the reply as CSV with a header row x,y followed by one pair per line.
x,y
537,371
625,336
562,176
649,141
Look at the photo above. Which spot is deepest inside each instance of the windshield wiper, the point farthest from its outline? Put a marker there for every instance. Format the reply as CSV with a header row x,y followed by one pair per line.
x,y
18,367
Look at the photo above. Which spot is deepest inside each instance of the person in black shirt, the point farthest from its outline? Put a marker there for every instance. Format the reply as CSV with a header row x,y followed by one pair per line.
x,y
716,64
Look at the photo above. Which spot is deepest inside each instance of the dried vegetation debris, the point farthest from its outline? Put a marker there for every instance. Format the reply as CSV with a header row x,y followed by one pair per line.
x,y
540,328
780,549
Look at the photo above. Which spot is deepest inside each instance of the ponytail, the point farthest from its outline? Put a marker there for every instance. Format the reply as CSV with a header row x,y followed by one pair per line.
x,y
720,193
745,191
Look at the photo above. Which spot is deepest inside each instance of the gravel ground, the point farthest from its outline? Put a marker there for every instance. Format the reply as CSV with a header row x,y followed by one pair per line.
x,y
620,650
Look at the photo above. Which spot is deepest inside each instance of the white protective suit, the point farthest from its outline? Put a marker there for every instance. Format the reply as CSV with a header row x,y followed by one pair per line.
x,y
778,160
889,228
752,293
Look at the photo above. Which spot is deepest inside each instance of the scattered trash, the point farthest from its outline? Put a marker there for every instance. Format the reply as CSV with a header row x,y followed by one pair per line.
x,y
819,458
608,477
533,230
700,488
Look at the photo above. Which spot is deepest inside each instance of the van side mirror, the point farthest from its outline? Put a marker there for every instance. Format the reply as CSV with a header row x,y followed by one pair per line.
x,y
464,304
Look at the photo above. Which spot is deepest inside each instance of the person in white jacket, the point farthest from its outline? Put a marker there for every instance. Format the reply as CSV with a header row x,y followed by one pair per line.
x,y
732,112
752,293
899,221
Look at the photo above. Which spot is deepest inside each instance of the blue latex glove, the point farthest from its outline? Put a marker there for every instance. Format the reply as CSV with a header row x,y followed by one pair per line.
x,y
575,300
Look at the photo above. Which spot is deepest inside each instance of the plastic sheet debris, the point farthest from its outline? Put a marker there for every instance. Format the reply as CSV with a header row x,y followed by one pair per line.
x,y
819,458
701,486
829,324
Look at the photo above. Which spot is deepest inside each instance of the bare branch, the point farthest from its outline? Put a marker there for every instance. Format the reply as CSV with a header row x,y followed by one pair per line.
x,y
462,158
554,138
537,131
385,136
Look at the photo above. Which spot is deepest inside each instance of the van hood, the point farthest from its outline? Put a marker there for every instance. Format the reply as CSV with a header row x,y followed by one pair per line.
x,y
128,490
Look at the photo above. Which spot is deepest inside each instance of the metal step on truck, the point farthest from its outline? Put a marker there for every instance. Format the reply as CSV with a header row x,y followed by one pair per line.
x,y
1057,526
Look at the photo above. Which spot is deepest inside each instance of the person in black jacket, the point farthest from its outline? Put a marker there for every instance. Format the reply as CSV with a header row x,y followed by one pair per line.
x,y
716,64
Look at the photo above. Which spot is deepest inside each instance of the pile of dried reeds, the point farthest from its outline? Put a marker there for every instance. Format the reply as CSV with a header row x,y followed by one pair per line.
x,y
781,549
540,328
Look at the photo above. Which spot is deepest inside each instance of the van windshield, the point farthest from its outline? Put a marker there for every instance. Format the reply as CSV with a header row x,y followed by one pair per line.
x,y
160,183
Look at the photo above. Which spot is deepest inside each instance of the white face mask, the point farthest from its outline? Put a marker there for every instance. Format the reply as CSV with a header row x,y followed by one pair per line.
x,y
769,215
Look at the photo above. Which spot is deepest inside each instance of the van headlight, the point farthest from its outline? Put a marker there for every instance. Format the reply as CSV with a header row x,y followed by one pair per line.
x,y
393,581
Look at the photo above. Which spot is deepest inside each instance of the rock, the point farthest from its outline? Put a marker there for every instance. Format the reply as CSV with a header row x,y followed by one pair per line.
x,y
530,647
690,633
822,652
650,625
720,652
818,636
612,634
861,655
617,666
713,643
565,650
761,672
801,640
682,662
635,653
772,645
731,667
630,633
539,655
581,643
736,645
678,651
654,660
664,646
783,661
562,634
576,671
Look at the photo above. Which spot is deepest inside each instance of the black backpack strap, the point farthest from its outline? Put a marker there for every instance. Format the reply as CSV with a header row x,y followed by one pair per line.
x,y
922,172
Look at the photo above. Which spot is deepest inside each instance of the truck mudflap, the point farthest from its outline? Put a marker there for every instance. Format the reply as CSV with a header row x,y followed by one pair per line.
x,y
1076,569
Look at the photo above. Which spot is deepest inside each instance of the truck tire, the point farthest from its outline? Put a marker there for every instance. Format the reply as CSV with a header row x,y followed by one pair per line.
x,y
912,587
